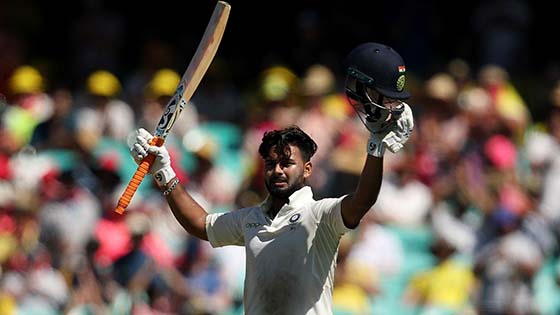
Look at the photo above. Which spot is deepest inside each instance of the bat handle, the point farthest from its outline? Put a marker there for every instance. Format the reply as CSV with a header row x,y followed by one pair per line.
x,y
137,178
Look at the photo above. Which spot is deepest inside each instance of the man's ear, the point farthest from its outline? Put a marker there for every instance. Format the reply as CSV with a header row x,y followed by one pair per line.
x,y
307,169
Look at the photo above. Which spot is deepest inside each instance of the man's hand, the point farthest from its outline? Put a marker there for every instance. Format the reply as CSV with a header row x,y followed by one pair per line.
x,y
399,135
161,169
389,130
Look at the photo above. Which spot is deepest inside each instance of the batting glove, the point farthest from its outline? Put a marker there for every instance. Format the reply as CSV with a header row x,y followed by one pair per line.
x,y
389,130
161,169
399,135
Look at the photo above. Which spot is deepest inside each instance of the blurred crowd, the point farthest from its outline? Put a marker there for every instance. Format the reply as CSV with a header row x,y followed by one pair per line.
x,y
467,221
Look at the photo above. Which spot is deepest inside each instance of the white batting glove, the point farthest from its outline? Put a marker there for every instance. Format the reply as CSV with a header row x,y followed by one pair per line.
x,y
389,131
161,169
378,124
401,131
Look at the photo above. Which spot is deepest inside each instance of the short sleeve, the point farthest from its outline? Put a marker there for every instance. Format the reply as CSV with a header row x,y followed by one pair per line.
x,y
225,228
329,211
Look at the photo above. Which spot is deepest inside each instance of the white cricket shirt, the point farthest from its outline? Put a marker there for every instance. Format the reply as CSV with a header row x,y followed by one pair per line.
x,y
290,260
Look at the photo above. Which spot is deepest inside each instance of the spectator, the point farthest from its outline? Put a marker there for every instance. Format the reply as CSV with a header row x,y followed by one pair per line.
x,y
30,104
506,262
105,115
58,130
447,287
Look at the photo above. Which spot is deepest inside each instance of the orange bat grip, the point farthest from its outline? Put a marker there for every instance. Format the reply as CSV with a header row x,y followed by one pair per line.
x,y
137,178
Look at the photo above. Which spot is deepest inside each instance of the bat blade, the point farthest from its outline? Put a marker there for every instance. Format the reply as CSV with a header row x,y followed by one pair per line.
x,y
196,69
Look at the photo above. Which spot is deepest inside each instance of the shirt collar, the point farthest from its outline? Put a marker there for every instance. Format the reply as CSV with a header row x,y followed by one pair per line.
x,y
299,197
302,195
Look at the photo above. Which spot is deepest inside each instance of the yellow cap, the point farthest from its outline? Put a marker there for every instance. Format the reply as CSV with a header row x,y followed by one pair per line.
x,y
163,83
103,83
26,79
277,82
336,106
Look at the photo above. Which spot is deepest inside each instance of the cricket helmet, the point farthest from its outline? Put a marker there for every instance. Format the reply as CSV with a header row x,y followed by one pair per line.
x,y
378,67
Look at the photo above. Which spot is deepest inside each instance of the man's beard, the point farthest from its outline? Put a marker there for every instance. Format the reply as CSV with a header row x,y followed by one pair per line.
x,y
284,192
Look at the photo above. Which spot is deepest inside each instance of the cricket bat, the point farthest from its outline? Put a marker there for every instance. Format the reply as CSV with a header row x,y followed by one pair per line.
x,y
189,82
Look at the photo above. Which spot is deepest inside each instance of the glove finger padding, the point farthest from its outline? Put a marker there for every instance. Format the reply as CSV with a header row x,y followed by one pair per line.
x,y
138,153
393,142
161,168
143,133
139,149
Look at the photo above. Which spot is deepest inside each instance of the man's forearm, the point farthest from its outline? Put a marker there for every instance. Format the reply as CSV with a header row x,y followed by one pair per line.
x,y
355,206
369,184
370,181
187,211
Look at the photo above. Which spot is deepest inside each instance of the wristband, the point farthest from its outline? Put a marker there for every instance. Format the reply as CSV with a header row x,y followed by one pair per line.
x,y
171,187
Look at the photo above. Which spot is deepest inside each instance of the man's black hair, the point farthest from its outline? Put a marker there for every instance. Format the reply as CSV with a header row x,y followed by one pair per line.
x,y
283,138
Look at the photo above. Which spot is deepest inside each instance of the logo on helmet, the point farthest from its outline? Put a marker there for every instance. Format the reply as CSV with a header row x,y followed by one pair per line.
x,y
400,83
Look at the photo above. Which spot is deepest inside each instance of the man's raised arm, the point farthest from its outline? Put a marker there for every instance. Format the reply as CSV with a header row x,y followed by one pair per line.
x,y
185,209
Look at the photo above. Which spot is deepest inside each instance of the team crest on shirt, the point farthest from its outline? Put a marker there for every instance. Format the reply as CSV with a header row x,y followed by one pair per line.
x,y
294,218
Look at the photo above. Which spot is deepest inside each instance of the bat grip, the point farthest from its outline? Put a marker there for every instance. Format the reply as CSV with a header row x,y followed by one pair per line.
x,y
137,178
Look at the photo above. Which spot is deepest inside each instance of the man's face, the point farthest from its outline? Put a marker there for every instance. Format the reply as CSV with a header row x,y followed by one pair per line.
x,y
387,103
284,175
